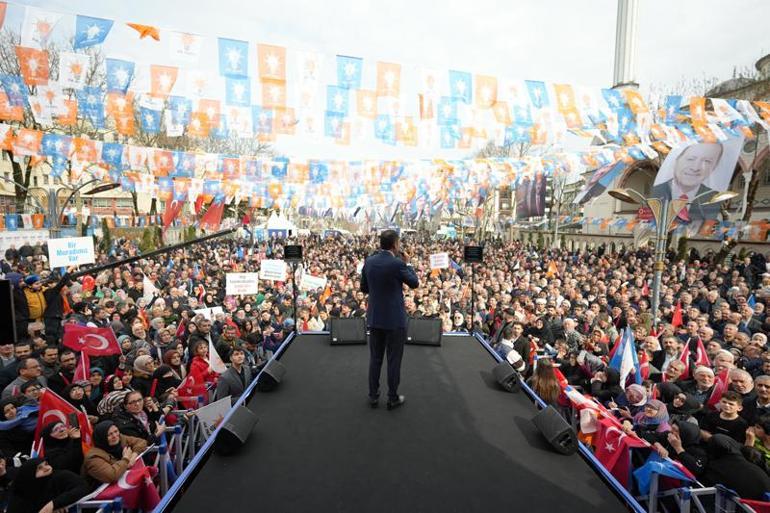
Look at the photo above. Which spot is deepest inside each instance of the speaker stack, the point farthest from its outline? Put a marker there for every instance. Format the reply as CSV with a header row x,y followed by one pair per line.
x,y
271,376
556,430
346,331
235,431
424,332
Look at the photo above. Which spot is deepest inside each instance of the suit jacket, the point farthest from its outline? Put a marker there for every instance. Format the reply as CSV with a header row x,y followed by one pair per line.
x,y
696,210
382,278
230,384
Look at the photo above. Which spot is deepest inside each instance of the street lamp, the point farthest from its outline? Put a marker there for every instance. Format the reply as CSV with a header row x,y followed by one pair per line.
x,y
664,211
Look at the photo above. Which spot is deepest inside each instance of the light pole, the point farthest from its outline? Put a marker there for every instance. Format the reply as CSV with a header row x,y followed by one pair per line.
x,y
664,211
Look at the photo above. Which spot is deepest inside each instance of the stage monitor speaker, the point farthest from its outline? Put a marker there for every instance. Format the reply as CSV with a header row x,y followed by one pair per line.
x,y
271,376
235,431
350,330
292,253
473,254
556,430
7,317
423,332
506,376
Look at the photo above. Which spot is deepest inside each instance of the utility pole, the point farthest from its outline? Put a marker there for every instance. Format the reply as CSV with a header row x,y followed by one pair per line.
x,y
624,74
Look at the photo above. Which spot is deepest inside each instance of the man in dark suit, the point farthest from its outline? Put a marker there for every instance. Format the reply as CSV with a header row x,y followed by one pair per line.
x,y
382,278
236,378
691,168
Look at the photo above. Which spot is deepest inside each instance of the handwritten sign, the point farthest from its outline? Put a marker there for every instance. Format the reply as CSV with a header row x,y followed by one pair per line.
x,y
308,282
71,251
273,270
439,261
241,284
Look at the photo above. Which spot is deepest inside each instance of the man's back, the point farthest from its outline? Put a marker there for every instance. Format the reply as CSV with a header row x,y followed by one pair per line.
x,y
382,278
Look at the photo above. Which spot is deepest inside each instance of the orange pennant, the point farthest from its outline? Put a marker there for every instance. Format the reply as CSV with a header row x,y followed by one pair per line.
x,y
10,112
272,62
163,162
273,93
485,93
145,31
199,125
211,110
698,109
284,121
85,149
366,104
33,64
565,97
388,79
27,142
162,80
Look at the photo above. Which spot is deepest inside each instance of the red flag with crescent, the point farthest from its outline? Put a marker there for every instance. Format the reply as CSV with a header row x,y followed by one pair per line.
x,y
92,341
135,487
55,409
173,208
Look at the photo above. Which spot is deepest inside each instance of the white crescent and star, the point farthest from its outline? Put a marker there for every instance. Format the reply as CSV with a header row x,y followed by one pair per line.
x,y
102,342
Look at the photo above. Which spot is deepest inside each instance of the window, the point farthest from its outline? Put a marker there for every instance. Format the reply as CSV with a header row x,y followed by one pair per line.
x,y
57,180
45,180
34,181
766,172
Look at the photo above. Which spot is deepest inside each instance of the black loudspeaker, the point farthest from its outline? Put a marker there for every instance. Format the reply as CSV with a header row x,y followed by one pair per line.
x,y
556,430
424,332
271,376
473,254
292,253
7,317
348,330
506,376
235,431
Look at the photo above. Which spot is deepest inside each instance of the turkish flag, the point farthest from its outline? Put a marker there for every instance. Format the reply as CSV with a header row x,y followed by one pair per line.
x,y
720,387
83,369
94,341
135,487
613,449
173,208
213,216
676,320
192,387
55,409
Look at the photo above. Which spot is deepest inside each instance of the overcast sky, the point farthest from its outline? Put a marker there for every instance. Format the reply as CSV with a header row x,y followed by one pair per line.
x,y
554,40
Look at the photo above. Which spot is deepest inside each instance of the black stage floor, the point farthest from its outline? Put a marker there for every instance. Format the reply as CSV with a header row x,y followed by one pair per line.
x,y
459,444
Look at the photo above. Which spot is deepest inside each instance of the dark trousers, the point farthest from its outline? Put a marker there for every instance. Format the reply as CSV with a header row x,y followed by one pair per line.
x,y
381,340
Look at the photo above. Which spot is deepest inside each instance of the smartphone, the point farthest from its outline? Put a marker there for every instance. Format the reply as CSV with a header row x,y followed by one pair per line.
x,y
72,418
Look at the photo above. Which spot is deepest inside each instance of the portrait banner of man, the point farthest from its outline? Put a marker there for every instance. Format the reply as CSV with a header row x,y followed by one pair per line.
x,y
692,171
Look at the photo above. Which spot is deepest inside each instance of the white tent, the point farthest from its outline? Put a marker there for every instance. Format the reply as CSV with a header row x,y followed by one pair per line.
x,y
279,226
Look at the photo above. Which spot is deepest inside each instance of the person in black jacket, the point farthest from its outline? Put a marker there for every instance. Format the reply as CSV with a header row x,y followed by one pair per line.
x,y
40,488
63,450
685,445
728,467
139,417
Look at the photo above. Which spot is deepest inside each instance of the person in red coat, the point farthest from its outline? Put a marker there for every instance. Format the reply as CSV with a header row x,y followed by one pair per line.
x,y
199,365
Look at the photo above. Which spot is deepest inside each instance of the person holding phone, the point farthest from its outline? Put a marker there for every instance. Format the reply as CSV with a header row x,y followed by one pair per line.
x,y
383,277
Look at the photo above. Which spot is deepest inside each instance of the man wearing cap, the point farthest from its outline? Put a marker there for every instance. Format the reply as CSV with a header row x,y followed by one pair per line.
x,y
29,303
383,277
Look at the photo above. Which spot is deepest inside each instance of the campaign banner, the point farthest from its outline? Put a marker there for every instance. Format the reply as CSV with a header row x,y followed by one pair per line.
x,y
308,282
71,251
21,237
241,284
209,313
273,270
212,414
439,261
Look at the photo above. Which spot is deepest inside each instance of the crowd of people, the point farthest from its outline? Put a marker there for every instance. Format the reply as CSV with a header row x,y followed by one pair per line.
x,y
541,309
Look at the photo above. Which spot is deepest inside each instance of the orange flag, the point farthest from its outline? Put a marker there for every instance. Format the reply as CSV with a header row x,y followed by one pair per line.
x,y
10,112
284,120
552,271
272,62
162,80
163,162
211,109
85,149
27,142
273,93
199,125
485,91
366,104
145,31
33,64
70,116
388,79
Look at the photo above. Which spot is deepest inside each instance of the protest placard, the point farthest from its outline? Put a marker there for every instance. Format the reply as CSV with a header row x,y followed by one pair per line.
x,y
273,270
212,414
308,282
71,251
439,261
241,284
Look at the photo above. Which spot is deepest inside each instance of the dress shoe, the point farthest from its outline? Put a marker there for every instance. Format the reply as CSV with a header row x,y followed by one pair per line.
x,y
396,403
373,403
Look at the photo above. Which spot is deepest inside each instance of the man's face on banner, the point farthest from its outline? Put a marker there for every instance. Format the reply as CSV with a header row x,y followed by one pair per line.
x,y
695,164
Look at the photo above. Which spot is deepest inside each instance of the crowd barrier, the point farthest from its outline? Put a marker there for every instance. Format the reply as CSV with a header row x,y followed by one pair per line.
x,y
187,449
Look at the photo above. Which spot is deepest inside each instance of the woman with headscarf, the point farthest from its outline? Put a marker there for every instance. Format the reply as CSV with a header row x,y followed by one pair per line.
x,y
38,488
605,385
728,467
683,407
144,366
173,358
62,446
114,391
139,417
631,401
164,382
17,427
651,423
75,394
112,454
684,444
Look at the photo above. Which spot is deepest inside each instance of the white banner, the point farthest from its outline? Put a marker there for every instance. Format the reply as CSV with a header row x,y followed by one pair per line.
x,y
241,284
273,270
308,282
212,414
439,261
71,251
209,313
19,237
148,290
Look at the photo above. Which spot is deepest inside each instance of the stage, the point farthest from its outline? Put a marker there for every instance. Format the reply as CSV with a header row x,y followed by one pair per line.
x,y
459,444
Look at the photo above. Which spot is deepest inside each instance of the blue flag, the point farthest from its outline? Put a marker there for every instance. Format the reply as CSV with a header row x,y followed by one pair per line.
x,y
112,154
262,120
538,94
657,465
180,108
446,113
15,89
349,72
238,92
90,31
233,58
11,222
625,359
150,120
460,85
337,100
383,128
751,301
56,145
91,104
119,75
333,124
318,171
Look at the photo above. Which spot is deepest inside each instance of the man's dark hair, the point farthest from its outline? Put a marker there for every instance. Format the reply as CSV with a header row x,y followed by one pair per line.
x,y
388,239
